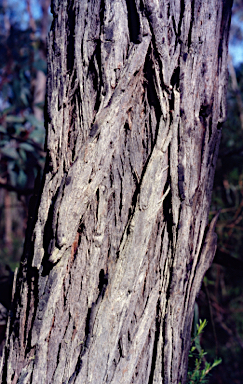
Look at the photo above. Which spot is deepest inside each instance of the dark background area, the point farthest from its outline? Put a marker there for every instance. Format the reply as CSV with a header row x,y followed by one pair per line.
x,y
23,29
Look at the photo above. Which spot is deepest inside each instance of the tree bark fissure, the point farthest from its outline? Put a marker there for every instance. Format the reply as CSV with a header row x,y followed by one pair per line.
x,y
112,266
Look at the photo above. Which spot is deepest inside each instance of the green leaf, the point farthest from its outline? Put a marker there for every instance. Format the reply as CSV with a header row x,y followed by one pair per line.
x,y
9,152
34,121
27,147
13,177
216,362
14,119
40,65
2,129
7,110
38,135
22,178
201,326
22,154
3,143
201,366
40,105
23,97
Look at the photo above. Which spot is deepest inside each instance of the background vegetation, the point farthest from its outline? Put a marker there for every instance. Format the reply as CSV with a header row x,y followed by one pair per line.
x,y
23,28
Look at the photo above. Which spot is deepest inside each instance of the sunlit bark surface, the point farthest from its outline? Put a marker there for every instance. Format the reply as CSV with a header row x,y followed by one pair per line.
x,y
116,253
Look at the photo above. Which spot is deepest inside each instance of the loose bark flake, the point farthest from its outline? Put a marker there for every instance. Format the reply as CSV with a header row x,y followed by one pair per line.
x,y
115,257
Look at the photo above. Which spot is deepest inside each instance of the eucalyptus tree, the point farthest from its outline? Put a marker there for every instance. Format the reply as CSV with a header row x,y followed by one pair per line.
x,y
118,241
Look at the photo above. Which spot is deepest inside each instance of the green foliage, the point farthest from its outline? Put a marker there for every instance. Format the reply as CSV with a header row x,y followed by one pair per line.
x,y
21,134
21,148
199,367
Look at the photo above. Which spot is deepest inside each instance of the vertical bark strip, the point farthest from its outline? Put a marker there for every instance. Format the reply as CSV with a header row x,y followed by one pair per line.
x,y
116,253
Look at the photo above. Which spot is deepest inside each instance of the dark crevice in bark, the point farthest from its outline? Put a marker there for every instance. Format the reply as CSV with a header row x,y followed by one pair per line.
x,y
204,113
101,19
133,22
168,11
153,99
33,299
96,76
168,218
49,238
90,318
226,18
57,359
156,340
134,175
103,282
77,367
120,349
175,79
163,328
182,4
210,127
181,179
189,41
120,205
6,353
47,266
203,144
71,32
88,329
149,76
48,229
97,205
73,94
32,216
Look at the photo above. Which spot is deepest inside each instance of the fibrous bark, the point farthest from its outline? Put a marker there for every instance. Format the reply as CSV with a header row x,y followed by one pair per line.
x,y
116,255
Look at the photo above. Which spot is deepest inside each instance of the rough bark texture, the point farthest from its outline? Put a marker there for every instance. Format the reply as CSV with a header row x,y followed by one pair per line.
x,y
115,258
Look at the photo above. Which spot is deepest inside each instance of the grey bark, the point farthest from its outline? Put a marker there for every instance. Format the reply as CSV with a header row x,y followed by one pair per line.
x,y
115,256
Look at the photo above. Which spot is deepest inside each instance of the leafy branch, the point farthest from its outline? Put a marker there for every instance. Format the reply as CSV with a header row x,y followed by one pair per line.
x,y
201,367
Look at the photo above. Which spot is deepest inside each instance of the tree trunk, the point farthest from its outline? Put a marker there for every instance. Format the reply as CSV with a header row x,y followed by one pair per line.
x,y
116,255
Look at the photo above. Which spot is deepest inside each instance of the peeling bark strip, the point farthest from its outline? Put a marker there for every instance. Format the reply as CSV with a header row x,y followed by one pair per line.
x,y
116,254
